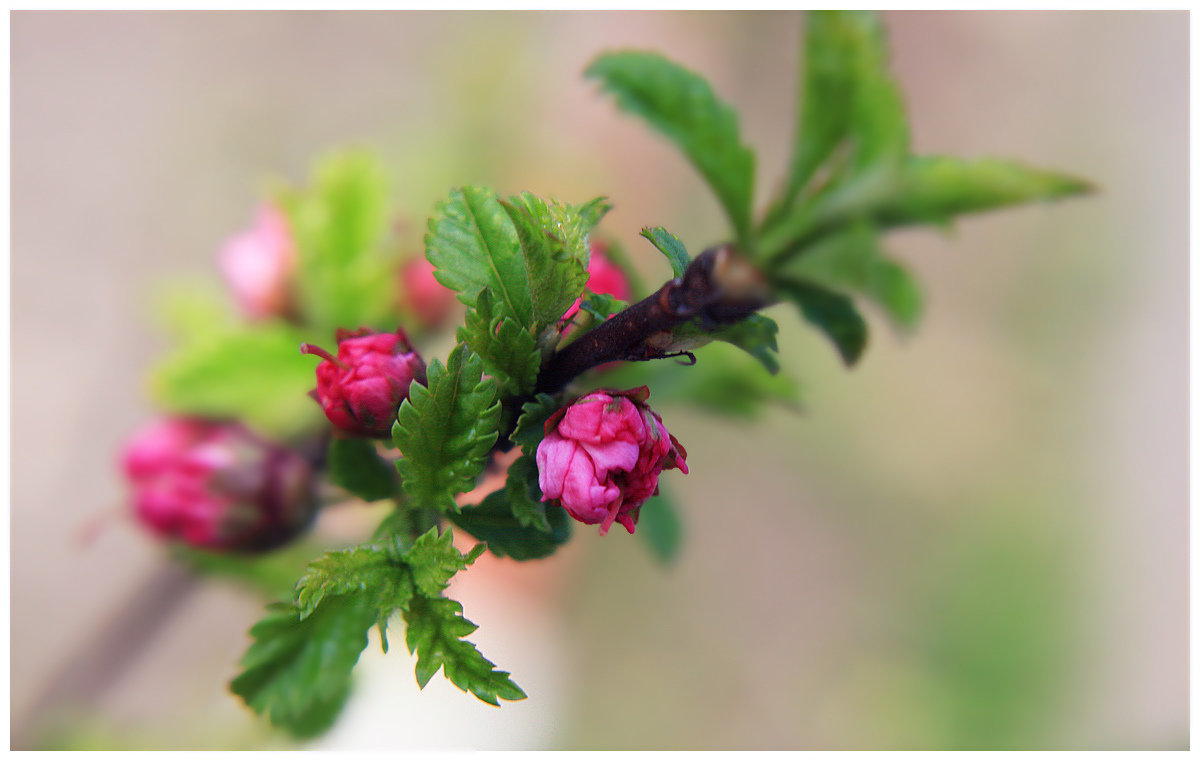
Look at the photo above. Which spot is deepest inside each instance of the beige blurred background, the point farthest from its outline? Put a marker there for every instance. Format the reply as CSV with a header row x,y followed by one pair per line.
x,y
978,538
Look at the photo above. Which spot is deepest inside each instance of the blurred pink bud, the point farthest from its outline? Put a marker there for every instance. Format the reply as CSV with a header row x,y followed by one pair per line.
x,y
216,485
429,300
362,387
257,266
602,454
603,277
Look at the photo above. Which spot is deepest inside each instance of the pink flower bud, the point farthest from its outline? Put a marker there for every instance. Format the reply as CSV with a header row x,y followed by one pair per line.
x,y
602,454
429,300
603,277
217,485
257,265
362,387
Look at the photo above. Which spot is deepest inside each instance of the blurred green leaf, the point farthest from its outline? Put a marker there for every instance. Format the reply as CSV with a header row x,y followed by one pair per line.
x,y
659,526
445,430
256,374
852,260
435,634
670,246
525,494
508,351
832,313
681,105
754,335
851,113
354,465
340,224
297,672
492,521
531,423
601,305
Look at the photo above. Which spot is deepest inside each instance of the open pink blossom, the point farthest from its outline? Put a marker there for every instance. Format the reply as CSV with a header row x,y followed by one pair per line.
x,y
601,457
362,387
257,265
216,485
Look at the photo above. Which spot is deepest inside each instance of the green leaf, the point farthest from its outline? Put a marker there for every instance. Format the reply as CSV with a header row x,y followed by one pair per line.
x,y
435,631
660,528
851,109
554,241
474,245
525,494
670,246
531,424
681,105
343,278
853,261
601,305
354,465
831,312
509,352
256,374
492,521
445,430
754,335
433,560
364,571
297,672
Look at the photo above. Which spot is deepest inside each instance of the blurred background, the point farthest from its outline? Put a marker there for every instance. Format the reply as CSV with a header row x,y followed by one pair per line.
x,y
977,538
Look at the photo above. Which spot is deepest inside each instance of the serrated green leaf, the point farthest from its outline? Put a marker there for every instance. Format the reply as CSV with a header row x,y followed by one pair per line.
x,y
433,560
297,672
851,112
754,335
509,352
660,528
473,245
367,571
554,242
681,105
853,261
670,246
445,430
601,305
354,465
524,493
255,374
834,314
435,631
531,424
492,521
339,223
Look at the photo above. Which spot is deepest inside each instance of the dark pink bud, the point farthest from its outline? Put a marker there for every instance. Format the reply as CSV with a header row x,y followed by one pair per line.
x,y
217,485
602,455
257,265
362,387
603,277
428,299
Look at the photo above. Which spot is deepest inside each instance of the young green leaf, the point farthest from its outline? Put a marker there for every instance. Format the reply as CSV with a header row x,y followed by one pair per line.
x,y
366,571
831,312
509,352
473,244
354,465
435,631
754,335
339,223
600,306
670,246
492,521
297,671
524,493
681,105
554,243
660,528
445,430
433,560
255,374
531,423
